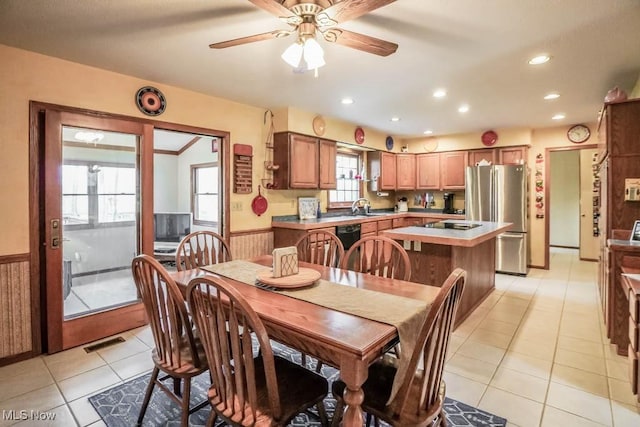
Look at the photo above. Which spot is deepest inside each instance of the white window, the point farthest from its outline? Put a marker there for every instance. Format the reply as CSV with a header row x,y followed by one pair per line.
x,y
94,194
205,194
349,185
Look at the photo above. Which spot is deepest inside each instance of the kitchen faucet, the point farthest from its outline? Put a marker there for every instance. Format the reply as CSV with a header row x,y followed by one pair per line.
x,y
355,206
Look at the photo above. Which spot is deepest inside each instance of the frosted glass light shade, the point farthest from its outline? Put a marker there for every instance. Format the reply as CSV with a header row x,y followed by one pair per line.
x,y
313,54
293,54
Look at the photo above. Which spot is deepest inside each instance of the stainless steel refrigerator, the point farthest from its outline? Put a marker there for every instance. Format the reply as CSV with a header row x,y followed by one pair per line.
x,y
499,193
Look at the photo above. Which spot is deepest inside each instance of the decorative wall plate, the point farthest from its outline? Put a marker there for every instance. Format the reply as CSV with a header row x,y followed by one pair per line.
x,y
430,145
489,138
389,143
359,135
319,125
151,101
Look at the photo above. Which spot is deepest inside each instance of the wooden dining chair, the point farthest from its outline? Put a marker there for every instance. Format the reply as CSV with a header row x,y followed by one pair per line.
x,y
178,354
420,397
320,247
379,256
248,389
201,248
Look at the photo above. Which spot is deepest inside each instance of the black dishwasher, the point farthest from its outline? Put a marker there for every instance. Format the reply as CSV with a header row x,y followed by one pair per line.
x,y
348,234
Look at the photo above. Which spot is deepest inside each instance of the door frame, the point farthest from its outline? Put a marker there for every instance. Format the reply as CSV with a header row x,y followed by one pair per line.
x,y
547,192
38,229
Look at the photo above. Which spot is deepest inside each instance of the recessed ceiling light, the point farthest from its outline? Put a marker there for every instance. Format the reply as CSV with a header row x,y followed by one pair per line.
x,y
559,116
440,93
540,59
395,119
463,108
552,95
428,132
347,101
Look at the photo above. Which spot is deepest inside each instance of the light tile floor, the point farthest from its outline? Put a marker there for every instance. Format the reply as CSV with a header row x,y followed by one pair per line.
x,y
534,352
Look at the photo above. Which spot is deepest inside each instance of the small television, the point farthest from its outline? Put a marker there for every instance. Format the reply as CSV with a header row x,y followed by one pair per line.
x,y
171,227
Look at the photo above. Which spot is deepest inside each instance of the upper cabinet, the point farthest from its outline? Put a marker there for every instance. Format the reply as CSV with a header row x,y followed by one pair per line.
x,y
328,151
382,166
512,155
516,155
405,171
453,165
487,155
441,171
299,157
428,171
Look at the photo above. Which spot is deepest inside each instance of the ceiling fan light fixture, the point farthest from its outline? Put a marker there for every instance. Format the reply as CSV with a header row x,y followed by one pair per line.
x,y
293,54
313,54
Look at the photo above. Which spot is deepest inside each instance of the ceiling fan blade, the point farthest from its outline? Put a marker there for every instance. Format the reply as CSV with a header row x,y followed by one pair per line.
x,y
346,10
250,39
360,41
273,7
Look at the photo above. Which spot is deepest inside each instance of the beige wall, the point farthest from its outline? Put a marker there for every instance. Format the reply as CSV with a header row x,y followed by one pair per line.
x,y
28,76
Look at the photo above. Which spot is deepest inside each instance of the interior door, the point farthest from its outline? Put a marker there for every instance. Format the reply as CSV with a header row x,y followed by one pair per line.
x,y
94,178
588,242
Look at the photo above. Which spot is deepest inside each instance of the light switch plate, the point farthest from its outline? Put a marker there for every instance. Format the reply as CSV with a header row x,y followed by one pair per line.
x,y
406,244
417,246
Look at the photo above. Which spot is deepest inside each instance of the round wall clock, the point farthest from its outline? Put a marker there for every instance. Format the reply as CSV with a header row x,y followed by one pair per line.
x,y
359,135
578,134
489,138
319,125
151,101
389,143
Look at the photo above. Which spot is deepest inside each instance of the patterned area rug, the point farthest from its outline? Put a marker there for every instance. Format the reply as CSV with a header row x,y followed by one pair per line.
x,y
120,405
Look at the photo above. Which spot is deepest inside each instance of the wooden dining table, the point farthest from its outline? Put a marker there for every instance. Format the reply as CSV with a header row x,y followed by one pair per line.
x,y
348,342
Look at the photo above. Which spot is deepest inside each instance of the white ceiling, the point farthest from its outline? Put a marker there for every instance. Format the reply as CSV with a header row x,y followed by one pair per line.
x,y
477,50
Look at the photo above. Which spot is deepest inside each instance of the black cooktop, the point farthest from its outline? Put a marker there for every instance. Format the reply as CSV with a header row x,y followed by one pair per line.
x,y
452,225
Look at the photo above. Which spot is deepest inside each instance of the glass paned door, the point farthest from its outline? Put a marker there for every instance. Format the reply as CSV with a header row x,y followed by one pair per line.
x,y
95,171
99,219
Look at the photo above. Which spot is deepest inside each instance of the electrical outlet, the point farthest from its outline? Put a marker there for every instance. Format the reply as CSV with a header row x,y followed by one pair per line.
x,y
236,206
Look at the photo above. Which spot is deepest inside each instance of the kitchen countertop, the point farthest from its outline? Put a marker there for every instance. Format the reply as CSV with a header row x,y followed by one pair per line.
x,y
466,238
330,221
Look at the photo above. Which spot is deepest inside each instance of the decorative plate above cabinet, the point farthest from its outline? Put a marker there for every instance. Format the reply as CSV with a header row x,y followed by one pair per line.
x,y
489,138
389,143
359,135
319,125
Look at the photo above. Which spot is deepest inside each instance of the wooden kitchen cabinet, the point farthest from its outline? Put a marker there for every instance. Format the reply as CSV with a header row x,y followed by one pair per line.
x,y
452,174
486,155
299,158
382,166
621,129
512,155
327,153
369,228
428,171
406,171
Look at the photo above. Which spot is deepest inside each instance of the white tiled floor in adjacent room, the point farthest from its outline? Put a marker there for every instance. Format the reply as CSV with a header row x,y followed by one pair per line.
x,y
535,352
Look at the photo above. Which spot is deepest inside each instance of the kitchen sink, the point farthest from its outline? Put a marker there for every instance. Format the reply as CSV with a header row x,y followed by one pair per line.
x,y
372,214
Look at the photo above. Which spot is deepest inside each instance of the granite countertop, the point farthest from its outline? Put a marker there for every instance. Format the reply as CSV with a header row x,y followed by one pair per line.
x,y
466,238
292,221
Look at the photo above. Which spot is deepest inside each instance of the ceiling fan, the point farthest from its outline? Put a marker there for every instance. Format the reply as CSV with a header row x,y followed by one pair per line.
x,y
308,17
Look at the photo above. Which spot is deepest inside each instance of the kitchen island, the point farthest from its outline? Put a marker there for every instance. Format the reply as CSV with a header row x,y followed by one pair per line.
x,y
438,248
